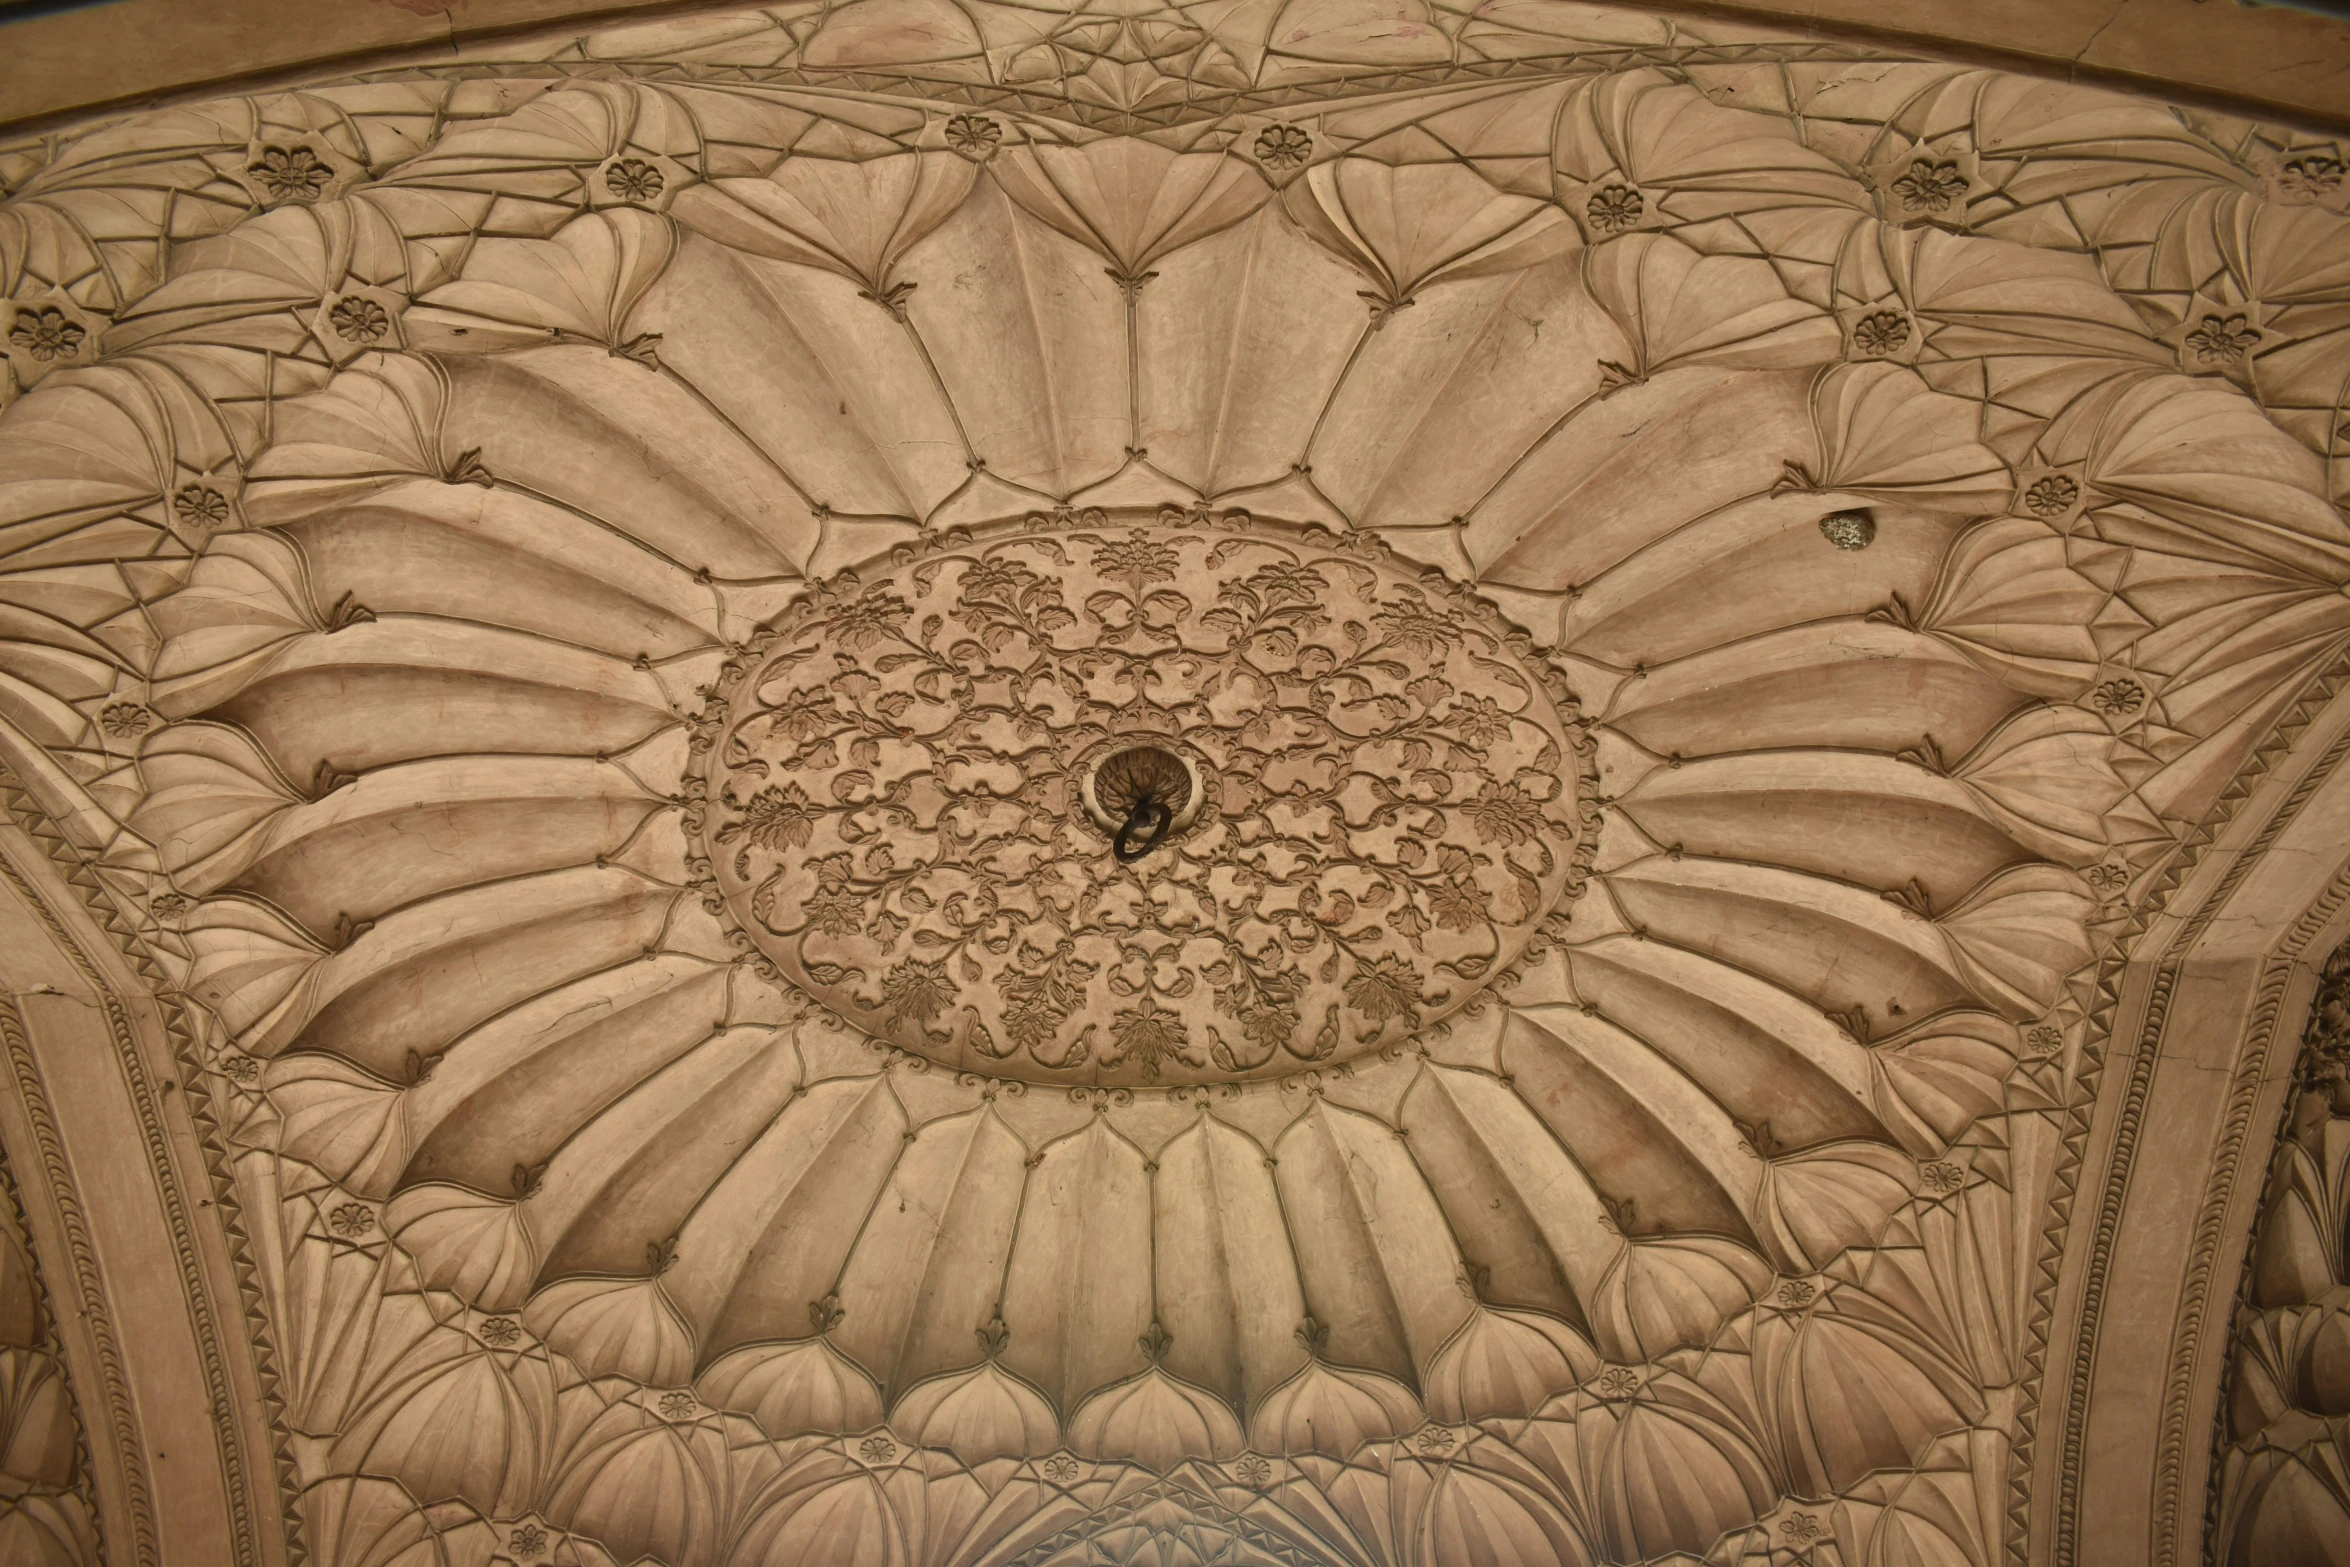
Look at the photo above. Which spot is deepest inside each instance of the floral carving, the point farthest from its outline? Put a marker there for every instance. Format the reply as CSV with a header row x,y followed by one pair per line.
x,y
528,1542
1942,1176
1283,146
2117,698
1612,209
47,334
2221,340
125,720
916,991
633,179
2045,1039
1252,1470
2325,1042
200,508
1931,185
1800,1528
1385,987
358,319
291,173
1149,1036
677,1404
1796,1293
779,818
350,1220
897,817
2312,173
1619,1382
1881,332
878,1449
1060,1469
2108,880
975,136
500,1332
242,1069
1434,1439
2052,495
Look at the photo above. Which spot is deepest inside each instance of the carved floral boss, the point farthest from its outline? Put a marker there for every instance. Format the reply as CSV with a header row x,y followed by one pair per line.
x,y
1369,797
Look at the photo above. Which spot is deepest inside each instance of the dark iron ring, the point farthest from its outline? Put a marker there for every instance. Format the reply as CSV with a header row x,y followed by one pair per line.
x,y
1148,816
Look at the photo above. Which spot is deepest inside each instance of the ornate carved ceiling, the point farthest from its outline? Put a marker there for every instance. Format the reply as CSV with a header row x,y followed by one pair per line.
x,y
576,608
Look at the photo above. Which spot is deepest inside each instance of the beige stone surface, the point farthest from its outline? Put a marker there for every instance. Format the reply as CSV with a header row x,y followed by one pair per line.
x,y
1740,638
2268,59
66,60
2288,58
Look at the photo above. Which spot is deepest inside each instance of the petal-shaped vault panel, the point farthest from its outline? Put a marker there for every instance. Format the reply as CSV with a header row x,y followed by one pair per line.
x,y
1297,781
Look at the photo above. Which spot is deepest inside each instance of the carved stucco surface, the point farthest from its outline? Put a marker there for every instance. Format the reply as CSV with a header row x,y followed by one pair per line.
x,y
46,1510
2282,1488
402,478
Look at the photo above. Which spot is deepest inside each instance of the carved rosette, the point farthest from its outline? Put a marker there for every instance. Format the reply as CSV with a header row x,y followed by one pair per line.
x,y
1392,808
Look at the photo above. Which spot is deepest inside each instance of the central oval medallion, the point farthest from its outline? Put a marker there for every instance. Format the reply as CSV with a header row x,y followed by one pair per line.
x,y
1363,789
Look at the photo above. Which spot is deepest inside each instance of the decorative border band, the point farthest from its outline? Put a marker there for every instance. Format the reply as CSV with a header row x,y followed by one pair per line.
x,y
89,1294
146,1101
2320,692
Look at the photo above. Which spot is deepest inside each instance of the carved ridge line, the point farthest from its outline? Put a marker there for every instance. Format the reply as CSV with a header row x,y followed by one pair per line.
x,y
179,1221
2065,1543
1247,1530
2109,1211
2187,1330
2064,1188
91,1297
1347,82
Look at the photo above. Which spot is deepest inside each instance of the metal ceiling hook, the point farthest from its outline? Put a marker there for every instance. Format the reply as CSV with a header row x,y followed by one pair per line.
x,y
1150,817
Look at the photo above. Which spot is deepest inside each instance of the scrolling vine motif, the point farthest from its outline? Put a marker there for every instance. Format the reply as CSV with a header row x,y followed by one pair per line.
x,y
894,812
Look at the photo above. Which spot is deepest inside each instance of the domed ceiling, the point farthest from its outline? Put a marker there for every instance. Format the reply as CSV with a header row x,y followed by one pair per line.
x,y
609,616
